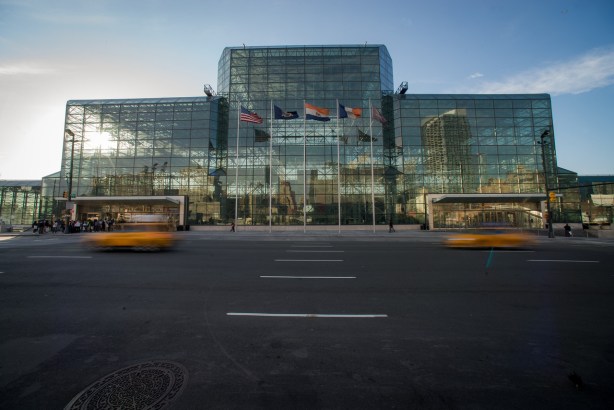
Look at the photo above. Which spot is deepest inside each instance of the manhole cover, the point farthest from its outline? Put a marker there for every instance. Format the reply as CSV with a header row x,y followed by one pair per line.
x,y
150,385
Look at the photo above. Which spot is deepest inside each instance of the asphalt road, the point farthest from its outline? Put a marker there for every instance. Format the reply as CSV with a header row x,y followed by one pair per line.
x,y
259,321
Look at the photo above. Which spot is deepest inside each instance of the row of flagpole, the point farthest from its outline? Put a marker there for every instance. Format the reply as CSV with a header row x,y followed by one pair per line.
x,y
315,113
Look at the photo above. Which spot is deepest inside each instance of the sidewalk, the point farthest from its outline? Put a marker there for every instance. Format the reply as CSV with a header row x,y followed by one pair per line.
x,y
282,232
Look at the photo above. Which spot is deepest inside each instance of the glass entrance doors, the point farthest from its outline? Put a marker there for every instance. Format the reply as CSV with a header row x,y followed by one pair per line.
x,y
472,215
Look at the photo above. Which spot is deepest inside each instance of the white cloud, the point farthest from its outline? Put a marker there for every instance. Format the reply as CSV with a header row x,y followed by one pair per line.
x,y
23,69
476,75
585,73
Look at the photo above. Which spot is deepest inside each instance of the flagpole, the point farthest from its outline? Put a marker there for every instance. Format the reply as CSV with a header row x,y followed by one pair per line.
x,y
237,166
304,168
209,157
372,175
338,172
271,171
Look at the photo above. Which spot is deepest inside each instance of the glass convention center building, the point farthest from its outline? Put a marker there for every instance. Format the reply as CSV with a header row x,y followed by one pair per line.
x,y
310,135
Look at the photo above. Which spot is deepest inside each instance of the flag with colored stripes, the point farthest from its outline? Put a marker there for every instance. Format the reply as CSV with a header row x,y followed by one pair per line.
x,y
347,112
378,115
316,113
250,116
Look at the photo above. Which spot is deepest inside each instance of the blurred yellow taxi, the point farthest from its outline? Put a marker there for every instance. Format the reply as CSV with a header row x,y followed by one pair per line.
x,y
490,239
138,237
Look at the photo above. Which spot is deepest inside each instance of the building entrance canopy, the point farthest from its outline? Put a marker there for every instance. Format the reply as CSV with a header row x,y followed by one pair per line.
x,y
478,210
132,203
487,198
129,200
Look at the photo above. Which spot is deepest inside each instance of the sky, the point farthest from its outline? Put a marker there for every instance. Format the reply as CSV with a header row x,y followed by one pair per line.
x,y
58,50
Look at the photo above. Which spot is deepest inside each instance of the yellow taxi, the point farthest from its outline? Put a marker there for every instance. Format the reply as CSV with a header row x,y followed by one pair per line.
x,y
490,239
138,237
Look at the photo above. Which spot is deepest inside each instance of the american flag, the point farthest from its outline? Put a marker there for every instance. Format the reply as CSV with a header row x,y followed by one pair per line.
x,y
250,116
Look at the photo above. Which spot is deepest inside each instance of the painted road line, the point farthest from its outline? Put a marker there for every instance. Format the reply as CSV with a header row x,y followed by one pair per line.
x,y
307,277
58,257
509,251
560,260
311,246
6,238
306,251
304,315
308,260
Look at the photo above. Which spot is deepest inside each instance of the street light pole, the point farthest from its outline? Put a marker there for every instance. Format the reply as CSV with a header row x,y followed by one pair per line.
x,y
72,156
153,178
549,217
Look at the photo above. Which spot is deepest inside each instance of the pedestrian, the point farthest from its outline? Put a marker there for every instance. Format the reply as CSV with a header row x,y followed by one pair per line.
x,y
232,226
391,227
568,231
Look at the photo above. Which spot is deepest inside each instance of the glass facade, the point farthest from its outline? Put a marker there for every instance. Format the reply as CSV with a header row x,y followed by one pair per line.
x,y
436,160
146,147
471,145
19,202
597,200
302,171
567,207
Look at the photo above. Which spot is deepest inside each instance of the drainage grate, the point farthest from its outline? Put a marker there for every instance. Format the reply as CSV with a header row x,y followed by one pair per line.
x,y
150,385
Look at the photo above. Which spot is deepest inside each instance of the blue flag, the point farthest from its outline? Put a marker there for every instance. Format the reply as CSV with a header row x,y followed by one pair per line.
x,y
284,115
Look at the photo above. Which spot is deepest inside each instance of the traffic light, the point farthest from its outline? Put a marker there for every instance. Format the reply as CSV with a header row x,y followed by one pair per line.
x,y
65,195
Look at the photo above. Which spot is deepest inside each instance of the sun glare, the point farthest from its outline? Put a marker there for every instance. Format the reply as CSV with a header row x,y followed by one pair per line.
x,y
100,140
